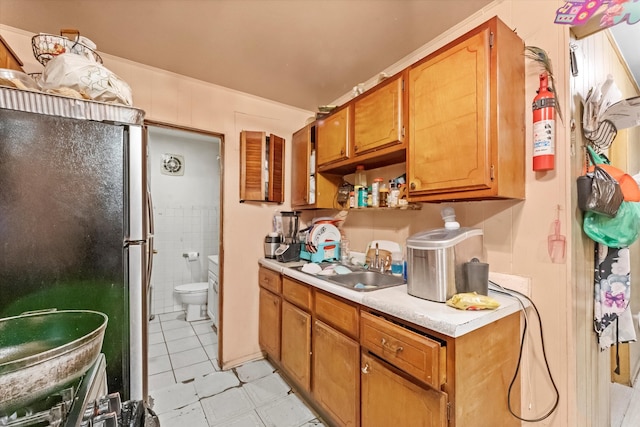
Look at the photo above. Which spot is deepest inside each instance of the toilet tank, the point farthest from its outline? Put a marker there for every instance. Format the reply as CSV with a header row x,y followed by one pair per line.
x,y
435,261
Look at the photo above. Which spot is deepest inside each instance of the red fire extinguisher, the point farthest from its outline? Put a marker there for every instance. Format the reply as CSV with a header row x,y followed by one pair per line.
x,y
544,125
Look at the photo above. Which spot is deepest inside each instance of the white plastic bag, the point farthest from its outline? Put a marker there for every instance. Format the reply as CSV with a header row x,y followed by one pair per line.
x,y
86,76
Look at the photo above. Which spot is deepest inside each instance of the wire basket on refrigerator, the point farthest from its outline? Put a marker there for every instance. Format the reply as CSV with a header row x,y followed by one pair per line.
x,y
47,46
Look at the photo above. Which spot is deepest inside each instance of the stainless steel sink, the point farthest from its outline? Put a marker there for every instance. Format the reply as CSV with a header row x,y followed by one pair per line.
x,y
364,281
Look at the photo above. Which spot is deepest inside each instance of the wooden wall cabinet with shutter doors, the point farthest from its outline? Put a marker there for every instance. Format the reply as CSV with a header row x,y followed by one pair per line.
x,y
8,58
261,167
467,118
309,188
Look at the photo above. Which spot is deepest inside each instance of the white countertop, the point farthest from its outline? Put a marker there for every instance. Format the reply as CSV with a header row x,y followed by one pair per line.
x,y
395,301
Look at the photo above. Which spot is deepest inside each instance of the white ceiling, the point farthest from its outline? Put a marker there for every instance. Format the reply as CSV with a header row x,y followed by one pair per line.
x,y
302,53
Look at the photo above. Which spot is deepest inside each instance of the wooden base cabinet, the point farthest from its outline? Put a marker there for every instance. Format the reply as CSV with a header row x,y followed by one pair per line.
x,y
295,354
336,374
269,323
389,399
269,308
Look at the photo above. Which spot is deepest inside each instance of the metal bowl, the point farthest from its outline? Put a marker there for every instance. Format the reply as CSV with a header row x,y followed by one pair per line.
x,y
42,352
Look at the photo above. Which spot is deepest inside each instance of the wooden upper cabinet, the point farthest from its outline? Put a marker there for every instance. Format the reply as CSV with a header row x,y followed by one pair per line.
x,y
8,58
310,189
301,166
467,118
261,167
333,143
378,119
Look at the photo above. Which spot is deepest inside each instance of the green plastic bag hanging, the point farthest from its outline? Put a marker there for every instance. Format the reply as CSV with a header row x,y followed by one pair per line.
x,y
617,232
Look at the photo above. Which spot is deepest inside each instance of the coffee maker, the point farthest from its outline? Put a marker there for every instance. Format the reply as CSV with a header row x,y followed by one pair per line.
x,y
289,250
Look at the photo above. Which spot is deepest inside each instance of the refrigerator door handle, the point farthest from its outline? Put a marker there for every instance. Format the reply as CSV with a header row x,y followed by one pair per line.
x,y
138,198
137,321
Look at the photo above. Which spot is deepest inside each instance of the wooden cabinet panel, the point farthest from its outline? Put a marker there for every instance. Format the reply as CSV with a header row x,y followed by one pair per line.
x,y
8,58
270,280
462,144
321,194
378,118
415,354
297,293
334,137
269,323
338,314
388,399
261,167
296,344
336,374
300,166
449,119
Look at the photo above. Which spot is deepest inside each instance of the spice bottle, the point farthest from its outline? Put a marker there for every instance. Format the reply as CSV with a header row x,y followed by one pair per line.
x,y
392,200
352,199
384,193
369,197
362,197
375,192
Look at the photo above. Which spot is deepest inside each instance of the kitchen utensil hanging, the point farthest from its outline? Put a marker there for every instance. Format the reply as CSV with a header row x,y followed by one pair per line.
x,y
601,138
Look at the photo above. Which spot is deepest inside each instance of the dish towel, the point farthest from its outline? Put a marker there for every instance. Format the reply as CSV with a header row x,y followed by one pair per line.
x,y
612,292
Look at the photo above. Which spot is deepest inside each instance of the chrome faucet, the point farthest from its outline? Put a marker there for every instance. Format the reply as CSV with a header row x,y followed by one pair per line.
x,y
378,263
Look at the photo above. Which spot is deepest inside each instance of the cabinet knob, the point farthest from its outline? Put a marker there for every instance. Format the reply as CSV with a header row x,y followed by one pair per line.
x,y
413,185
342,152
365,368
355,148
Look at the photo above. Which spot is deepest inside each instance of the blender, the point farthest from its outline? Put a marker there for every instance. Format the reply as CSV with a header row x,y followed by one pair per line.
x,y
289,250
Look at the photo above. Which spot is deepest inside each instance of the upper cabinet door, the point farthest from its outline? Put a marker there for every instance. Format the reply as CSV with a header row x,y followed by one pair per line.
x,y
300,166
379,117
276,168
467,118
333,137
261,167
448,119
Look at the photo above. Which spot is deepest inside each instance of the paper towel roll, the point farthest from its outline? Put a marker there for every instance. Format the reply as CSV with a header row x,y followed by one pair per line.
x,y
191,256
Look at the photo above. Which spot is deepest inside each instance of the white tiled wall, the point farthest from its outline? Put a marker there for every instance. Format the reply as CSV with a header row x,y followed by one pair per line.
x,y
179,230
186,212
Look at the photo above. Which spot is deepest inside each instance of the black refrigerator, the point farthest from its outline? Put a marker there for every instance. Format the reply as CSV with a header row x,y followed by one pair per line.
x,y
75,220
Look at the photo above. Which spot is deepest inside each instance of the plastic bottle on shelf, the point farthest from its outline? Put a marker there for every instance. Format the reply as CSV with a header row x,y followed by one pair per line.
x,y
392,200
369,197
352,199
375,192
361,197
360,177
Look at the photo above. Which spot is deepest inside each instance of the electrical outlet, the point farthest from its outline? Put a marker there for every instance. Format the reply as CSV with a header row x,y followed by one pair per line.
x,y
509,281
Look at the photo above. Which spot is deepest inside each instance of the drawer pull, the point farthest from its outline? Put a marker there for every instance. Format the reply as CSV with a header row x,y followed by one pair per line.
x,y
365,368
394,348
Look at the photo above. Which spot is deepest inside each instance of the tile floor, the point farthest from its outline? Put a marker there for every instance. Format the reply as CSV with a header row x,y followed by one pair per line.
x,y
189,389
625,405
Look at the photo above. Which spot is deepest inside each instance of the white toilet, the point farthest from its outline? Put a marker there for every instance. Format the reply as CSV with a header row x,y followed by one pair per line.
x,y
194,295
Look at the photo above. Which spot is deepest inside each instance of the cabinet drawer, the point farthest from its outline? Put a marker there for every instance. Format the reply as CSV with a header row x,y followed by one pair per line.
x,y
270,280
297,293
417,355
338,314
